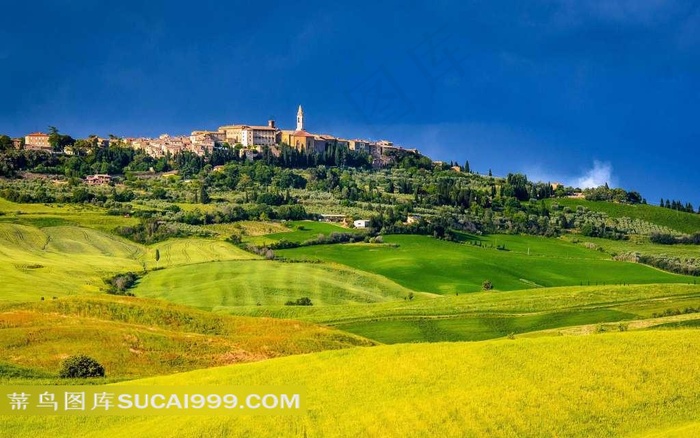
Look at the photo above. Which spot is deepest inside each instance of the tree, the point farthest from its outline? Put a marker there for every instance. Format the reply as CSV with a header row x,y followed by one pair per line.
x,y
81,366
157,257
204,195
487,285
466,167
6,143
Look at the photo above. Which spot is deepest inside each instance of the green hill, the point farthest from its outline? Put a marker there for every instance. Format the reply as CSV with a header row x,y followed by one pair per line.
x,y
429,265
487,315
619,384
263,282
71,260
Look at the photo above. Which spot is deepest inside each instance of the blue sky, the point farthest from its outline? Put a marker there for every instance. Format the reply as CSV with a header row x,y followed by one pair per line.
x,y
580,92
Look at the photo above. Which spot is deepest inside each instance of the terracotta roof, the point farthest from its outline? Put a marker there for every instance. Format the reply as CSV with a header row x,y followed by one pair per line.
x,y
37,134
302,134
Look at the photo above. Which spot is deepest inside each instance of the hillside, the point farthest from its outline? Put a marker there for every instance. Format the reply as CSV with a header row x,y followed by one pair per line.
x,y
148,337
487,315
431,265
266,282
622,384
673,219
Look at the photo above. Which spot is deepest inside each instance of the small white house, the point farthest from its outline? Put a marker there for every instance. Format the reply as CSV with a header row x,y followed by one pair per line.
x,y
361,223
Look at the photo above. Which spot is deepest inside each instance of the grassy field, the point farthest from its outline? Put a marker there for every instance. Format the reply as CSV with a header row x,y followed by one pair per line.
x,y
71,260
299,231
676,220
622,384
642,246
147,337
487,315
429,265
249,283
49,215
60,261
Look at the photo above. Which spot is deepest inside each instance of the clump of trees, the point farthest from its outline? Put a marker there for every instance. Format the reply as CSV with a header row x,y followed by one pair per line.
x,y
121,283
671,239
304,301
81,366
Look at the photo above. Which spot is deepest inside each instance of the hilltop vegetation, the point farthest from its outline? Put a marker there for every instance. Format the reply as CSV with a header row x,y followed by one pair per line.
x,y
619,384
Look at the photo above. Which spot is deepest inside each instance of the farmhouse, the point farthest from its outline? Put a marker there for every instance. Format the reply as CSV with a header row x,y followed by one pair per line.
x,y
98,179
361,223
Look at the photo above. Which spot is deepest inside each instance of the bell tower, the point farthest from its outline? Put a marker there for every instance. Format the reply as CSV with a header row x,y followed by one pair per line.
x,y
300,119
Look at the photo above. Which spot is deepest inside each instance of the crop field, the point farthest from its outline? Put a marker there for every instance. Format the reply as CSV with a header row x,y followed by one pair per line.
x,y
148,338
675,220
430,265
263,282
488,315
70,260
176,252
50,215
612,384
59,261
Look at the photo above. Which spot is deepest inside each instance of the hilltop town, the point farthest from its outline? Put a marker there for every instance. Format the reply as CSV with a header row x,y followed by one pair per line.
x,y
247,140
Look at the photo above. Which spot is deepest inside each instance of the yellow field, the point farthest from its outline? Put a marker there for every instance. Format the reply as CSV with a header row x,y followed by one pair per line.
x,y
622,384
135,337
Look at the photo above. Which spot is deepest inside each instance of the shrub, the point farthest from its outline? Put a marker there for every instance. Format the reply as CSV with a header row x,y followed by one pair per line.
x,y
81,366
304,301
487,285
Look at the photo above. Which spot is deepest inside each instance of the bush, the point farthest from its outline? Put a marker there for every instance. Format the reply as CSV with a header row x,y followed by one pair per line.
x,y
305,301
487,285
81,366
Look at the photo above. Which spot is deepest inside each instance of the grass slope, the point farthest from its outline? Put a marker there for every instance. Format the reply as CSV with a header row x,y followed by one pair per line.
x,y
248,283
70,260
591,386
676,220
487,315
299,231
58,261
425,264
147,338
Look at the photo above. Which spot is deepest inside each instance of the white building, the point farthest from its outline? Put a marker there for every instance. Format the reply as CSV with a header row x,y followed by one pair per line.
x,y
361,223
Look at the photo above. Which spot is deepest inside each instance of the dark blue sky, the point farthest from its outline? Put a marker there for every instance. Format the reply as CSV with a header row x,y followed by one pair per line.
x,y
574,91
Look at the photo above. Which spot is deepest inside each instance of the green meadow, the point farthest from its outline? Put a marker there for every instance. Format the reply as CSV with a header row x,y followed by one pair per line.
x,y
487,315
429,265
614,384
264,282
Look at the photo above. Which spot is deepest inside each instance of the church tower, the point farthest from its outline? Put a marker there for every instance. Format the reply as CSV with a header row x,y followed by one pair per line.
x,y
300,119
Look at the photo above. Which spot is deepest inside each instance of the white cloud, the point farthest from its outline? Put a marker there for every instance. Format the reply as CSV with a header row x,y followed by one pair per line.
x,y
599,175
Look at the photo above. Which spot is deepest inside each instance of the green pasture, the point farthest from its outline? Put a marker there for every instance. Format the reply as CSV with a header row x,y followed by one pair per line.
x,y
425,264
264,282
